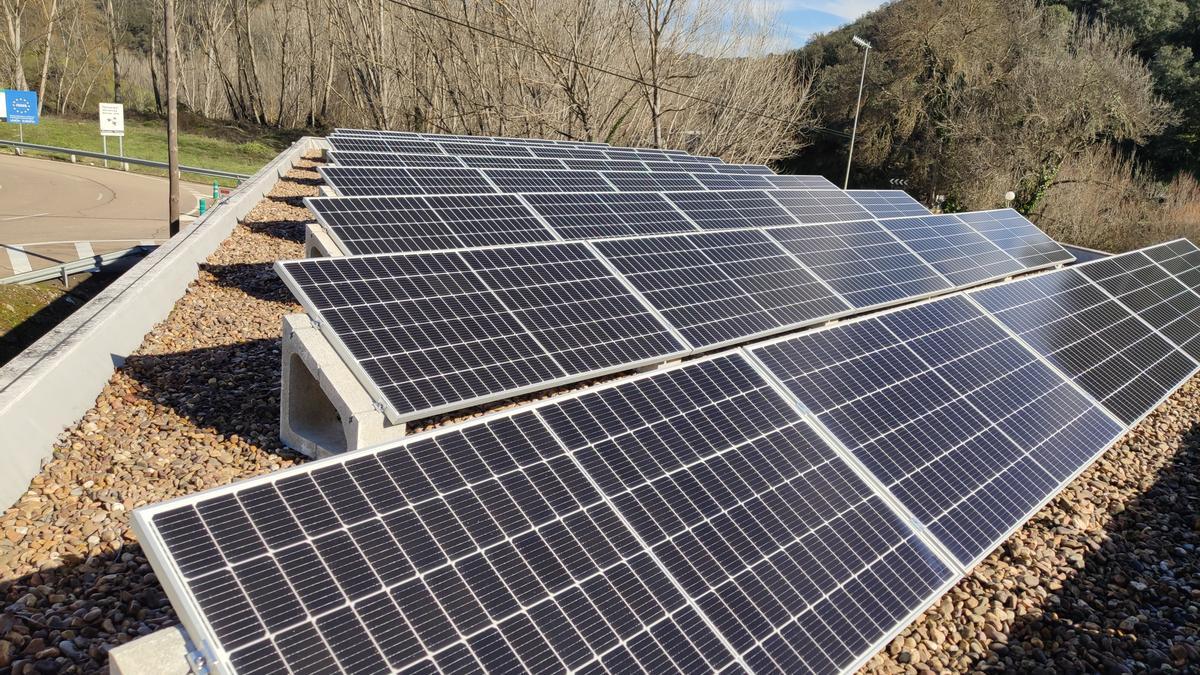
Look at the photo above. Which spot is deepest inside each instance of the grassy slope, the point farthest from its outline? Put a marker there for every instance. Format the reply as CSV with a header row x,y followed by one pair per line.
x,y
205,145
28,312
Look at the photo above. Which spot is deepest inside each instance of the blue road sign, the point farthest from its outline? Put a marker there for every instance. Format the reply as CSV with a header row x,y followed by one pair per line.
x,y
22,107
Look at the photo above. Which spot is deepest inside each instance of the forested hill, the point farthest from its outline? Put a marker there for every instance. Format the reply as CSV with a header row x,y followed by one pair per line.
x,y
1088,111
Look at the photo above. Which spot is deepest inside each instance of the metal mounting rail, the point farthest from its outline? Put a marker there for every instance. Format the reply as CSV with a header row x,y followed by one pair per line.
x,y
129,160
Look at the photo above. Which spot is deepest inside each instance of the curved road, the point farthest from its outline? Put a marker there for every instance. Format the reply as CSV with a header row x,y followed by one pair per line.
x,y
52,212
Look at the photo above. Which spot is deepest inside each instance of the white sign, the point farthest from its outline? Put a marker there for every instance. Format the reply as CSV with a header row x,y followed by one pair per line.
x,y
3,107
112,119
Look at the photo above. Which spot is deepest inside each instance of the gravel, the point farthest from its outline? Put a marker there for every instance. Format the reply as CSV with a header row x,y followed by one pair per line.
x,y
1105,577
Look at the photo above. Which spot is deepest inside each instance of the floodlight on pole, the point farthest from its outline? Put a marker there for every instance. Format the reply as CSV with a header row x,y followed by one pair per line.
x,y
866,47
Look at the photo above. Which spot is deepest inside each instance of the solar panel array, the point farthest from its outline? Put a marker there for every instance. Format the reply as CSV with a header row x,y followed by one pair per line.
x,y
787,507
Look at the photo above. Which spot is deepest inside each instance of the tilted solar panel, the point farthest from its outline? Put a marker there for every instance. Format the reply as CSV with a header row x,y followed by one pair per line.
x,y
961,254
862,262
493,149
1018,237
1091,338
967,428
604,165
888,203
616,214
1153,294
358,181
657,181
510,162
712,531
347,158
689,167
789,182
436,331
548,181
1182,259
721,288
363,225
757,169
380,144
732,209
820,206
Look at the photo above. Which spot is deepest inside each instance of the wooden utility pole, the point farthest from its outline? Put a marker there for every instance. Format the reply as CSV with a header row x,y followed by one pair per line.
x,y
172,115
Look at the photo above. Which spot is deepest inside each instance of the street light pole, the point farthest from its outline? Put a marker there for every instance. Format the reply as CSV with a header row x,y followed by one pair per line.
x,y
866,47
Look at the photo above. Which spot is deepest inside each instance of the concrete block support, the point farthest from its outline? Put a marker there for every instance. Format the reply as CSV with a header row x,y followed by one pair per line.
x,y
163,652
318,244
324,409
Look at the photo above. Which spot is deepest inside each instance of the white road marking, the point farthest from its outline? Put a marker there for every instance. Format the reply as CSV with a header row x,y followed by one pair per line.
x,y
31,215
18,259
99,196
84,250
147,242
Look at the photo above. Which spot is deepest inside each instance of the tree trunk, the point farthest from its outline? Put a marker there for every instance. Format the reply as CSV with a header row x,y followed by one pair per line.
x,y
50,17
114,47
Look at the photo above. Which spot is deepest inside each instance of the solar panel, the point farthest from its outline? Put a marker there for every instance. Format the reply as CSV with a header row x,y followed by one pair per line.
x,y
791,182
720,533
960,253
568,153
820,206
617,214
398,145
365,225
1083,255
689,167
604,165
346,158
358,181
493,149
862,262
427,333
1153,294
626,181
733,209
721,287
888,203
548,181
967,428
1018,237
1091,338
1181,258
510,162
758,169
719,181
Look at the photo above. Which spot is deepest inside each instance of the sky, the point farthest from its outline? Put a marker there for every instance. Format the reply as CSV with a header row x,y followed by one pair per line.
x,y
802,18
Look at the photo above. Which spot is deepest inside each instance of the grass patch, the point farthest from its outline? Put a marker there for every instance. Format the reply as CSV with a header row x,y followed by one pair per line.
x,y
29,312
202,143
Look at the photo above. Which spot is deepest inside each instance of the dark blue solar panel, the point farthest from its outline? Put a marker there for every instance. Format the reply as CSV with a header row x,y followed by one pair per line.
x,y
1182,259
953,248
1018,237
619,214
888,203
1092,338
658,181
819,206
965,426
547,181
733,209
357,181
863,263
346,158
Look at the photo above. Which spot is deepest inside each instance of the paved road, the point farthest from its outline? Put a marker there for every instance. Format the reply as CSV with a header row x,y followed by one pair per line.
x,y
52,212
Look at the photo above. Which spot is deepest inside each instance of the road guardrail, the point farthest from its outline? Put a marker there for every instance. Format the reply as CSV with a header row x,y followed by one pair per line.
x,y
129,160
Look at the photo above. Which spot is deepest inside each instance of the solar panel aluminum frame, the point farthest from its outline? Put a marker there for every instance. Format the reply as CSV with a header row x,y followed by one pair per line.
x,y
877,485
217,661
396,417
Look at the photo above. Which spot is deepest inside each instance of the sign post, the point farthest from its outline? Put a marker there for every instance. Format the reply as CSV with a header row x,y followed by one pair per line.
x,y
19,107
112,123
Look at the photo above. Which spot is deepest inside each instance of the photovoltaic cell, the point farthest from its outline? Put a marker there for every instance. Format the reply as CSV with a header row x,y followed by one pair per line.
x,y
744,169
689,167
548,181
967,428
378,181
346,158
588,216
510,162
429,333
888,203
405,145
1091,338
718,288
1018,237
493,149
820,206
801,182
604,165
863,263
732,209
960,253
364,225
713,531
1153,294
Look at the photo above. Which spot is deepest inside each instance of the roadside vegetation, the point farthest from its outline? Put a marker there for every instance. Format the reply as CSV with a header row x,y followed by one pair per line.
x,y
27,312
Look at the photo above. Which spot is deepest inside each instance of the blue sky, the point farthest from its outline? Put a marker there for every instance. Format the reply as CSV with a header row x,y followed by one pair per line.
x,y
801,18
